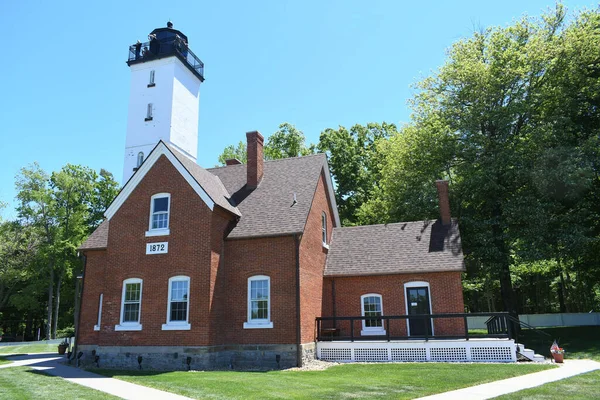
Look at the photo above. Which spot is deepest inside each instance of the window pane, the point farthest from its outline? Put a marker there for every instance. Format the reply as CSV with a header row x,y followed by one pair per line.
x,y
372,308
160,220
259,299
179,290
131,312
178,311
161,204
132,292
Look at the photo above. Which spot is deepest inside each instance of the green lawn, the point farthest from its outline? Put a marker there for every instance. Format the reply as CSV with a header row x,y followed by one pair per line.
x,y
579,342
400,381
20,383
579,387
36,347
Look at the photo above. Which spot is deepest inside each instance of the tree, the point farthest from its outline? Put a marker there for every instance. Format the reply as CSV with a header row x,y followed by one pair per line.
x,y
231,152
287,142
511,116
355,164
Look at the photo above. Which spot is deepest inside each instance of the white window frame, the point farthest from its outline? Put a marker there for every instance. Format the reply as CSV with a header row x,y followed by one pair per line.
x,y
97,326
417,284
140,159
130,326
178,325
371,330
152,75
159,231
324,229
258,323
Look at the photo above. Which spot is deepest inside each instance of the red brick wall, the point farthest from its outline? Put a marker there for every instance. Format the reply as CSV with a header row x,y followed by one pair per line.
x,y
445,294
274,257
312,262
93,286
191,252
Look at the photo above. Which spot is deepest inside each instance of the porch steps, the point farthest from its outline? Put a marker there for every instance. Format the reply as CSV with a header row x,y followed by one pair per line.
x,y
528,354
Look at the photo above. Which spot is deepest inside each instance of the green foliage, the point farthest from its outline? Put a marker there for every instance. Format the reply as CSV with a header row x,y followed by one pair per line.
x,y
56,214
231,152
66,332
511,120
355,165
287,142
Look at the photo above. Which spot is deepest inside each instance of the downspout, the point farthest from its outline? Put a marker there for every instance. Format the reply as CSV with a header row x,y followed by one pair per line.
x,y
298,326
80,297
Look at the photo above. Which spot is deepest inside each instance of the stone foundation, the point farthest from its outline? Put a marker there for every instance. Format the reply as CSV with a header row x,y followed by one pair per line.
x,y
237,357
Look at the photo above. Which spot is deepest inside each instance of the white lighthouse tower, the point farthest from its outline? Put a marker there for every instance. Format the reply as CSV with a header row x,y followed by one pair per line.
x,y
164,97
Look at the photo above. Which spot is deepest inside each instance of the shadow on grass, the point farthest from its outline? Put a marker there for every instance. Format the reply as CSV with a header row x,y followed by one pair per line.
x,y
579,342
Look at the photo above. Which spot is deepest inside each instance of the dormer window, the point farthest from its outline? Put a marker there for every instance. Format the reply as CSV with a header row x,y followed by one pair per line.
x,y
160,206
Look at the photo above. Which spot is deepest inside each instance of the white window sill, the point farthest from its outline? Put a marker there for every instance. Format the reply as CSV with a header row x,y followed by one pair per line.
x,y
374,332
96,327
325,246
158,232
176,327
256,325
128,327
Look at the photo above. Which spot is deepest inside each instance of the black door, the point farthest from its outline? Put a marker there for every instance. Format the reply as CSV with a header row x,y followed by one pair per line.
x,y
418,304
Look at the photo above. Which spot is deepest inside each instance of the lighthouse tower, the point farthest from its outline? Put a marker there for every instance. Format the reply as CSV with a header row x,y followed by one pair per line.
x,y
164,97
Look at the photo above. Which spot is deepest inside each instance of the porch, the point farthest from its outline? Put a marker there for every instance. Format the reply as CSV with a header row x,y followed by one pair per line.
x,y
426,337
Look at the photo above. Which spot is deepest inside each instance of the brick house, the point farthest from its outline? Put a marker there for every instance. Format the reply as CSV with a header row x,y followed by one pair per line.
x,y
234,266
231,266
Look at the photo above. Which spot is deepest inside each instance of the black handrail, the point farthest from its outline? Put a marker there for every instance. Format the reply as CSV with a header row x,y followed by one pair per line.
x,y
501,329
141,52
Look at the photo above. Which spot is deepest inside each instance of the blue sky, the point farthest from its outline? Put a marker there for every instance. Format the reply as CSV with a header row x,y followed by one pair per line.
x,y
315,64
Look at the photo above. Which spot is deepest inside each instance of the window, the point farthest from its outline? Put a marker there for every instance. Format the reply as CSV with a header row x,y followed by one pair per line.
x,y
324,228
151,83
372,307
178,306
97,326
259,302
159,214
131,304
140,159
149,112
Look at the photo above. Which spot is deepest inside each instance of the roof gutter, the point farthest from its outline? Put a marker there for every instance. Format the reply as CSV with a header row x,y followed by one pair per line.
x,y
298,326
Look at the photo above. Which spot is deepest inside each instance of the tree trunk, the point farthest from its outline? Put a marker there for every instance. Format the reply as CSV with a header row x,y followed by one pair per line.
x,y
57,305
50,293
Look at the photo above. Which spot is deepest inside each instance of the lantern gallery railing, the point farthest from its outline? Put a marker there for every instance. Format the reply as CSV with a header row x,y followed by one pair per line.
x,y
410,327
155,49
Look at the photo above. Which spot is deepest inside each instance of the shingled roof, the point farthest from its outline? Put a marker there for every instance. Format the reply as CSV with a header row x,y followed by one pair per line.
x,y
210,183
268,210
98,239
405,247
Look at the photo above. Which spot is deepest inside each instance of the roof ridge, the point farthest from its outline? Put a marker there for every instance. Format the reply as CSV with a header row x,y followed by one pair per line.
x,y
390,223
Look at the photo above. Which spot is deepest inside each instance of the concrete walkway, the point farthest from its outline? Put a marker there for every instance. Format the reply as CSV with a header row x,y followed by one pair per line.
x,y
51,365
493,389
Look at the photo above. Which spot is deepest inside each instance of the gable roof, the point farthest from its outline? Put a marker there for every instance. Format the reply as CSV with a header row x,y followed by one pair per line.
x,y
203,183
98,239
268,210
404,247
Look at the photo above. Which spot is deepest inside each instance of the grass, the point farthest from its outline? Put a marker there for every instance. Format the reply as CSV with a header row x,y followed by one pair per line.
x,y
4,361
578,387
20,383
36,347
581,342
373,381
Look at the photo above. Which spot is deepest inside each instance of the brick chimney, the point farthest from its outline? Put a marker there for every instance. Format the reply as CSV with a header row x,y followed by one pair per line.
x,y
255,158
232,161
442,189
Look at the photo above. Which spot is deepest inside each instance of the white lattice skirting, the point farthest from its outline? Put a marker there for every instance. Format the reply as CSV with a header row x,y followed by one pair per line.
x,y
474,350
